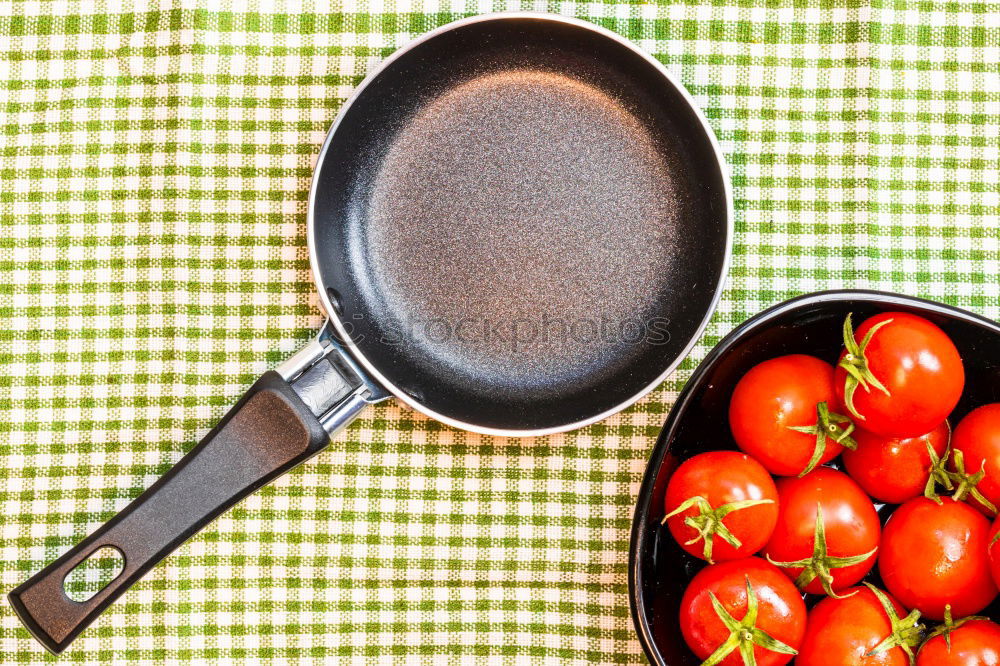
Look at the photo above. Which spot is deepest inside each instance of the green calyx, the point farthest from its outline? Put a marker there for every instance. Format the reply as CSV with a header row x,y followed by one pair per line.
x,y
938,471
906,632
743,634
828,424
821,564
856,365
966,484
708,521
959,482
950,626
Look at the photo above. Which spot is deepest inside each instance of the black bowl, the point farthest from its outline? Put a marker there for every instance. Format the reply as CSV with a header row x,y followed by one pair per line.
x,y
658,569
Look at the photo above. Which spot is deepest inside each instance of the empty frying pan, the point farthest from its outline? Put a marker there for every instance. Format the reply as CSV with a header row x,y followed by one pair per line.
x,y
518,225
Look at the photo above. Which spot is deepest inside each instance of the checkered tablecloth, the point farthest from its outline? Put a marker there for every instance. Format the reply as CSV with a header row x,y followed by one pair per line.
x,y
154,169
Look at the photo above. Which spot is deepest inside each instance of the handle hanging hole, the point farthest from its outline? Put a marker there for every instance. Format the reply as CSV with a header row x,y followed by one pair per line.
x,y
94,573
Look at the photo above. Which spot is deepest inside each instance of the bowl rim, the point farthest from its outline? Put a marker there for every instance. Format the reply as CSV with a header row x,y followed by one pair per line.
x,y
637,602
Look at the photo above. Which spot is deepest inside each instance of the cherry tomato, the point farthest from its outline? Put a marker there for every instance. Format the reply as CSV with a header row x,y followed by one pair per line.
x,y
910,372
740,586
842,632
973,641
893,469
775,402
936,554
978,438
827,532
724,505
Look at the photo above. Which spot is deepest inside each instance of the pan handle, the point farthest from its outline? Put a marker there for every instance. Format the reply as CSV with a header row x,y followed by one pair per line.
x,y
282,420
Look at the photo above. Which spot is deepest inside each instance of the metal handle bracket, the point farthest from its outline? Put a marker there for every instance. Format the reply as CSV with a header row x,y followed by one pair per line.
x,y
329,381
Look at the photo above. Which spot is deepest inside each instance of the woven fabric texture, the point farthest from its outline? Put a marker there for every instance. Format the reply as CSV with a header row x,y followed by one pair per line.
x,y
155,163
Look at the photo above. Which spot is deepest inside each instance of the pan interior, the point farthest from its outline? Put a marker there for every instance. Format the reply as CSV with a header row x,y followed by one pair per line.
x,y
521,225
529,207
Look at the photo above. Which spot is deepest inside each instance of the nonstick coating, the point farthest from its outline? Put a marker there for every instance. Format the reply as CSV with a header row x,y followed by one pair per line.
x,y
521,223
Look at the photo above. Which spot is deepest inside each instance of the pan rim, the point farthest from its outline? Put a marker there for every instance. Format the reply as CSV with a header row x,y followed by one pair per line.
x,y
352,348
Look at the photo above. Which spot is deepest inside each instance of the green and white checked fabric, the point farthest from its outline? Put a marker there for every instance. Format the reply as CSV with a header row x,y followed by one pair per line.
x,y
154,169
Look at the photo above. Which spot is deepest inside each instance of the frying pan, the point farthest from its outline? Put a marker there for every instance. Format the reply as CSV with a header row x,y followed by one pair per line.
x,y
518,225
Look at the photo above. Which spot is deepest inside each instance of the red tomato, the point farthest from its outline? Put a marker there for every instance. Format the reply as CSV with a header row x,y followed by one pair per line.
x,y
994,552
725,503
776,397
891,469
912,375
828,555
974,641
936,554
739,586
842,632
978,438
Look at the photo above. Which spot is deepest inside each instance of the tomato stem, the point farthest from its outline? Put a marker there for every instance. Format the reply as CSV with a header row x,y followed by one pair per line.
x,y
855,363
708,521
820,564
906,632
828,424
950,625
967,483
743,634
938,471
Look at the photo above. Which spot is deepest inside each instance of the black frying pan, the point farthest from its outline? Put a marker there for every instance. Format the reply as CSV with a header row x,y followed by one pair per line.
x,y
518,225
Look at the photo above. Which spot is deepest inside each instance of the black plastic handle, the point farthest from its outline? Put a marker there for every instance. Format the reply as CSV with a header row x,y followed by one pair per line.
x,y
269,431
